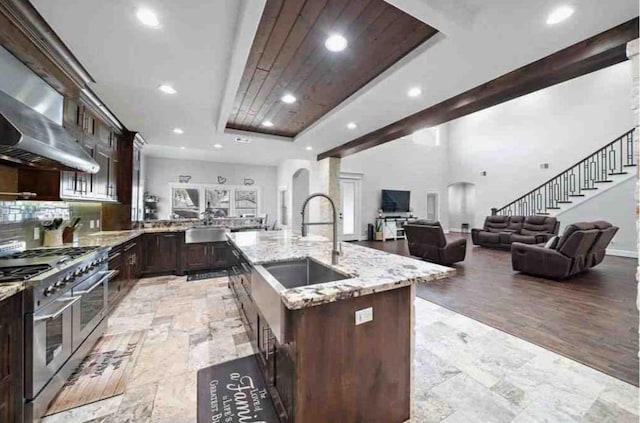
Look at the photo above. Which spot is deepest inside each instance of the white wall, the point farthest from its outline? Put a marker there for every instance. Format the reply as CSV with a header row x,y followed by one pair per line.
x,y
409,164
558,125
299,193
159,172
617,206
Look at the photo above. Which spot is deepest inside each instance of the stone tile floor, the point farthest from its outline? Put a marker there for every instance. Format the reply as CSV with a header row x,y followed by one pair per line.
x,y
464,371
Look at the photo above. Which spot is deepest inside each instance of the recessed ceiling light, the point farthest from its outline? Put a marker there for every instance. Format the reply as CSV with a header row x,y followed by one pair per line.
x,y
167,89
560,14
288,98
267,124
182,148
148,17
178,131
352,125
336,42
414,92
308,148
217,145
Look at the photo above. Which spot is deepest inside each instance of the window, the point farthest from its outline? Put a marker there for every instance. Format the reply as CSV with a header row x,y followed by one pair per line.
x,y
185,202
246,202
217,199
189,201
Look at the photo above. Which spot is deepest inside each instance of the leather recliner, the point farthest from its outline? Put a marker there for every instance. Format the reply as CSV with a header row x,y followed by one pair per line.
x,y
582,246
427,240
501,231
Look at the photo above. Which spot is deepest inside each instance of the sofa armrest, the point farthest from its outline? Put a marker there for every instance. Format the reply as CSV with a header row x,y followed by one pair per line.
x,y
474,235
539,261
543,237
454,251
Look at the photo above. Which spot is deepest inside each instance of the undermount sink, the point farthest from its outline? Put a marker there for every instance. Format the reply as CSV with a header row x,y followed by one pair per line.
x,y
303,272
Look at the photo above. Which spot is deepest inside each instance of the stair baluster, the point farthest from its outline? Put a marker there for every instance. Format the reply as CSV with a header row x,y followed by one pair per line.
x,y
612,159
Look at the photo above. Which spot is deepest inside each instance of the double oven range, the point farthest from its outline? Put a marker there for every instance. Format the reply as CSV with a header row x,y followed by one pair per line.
x,y
66,300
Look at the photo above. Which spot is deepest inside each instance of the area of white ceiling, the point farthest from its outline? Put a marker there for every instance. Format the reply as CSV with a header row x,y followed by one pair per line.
x,y
191,51
199,50
481,41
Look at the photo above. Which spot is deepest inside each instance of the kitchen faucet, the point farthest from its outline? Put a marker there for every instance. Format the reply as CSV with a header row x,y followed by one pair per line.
x,y
335,252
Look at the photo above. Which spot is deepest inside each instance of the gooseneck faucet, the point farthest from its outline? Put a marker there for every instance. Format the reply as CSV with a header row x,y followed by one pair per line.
x,y
335,252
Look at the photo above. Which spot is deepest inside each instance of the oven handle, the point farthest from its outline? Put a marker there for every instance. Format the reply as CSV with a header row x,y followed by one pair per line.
x,y
59,312
107,276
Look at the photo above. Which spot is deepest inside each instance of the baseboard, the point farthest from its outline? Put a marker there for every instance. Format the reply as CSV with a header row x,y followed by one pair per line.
x,y
622,253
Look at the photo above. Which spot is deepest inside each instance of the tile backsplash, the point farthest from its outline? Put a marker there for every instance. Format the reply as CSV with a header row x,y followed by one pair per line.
x,y
19,218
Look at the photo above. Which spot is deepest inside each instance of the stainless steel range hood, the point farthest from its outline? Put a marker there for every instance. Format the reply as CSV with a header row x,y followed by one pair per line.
x,y
28,138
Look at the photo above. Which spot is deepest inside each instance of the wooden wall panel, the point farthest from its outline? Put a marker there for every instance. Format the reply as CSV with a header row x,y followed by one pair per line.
x,y
288,55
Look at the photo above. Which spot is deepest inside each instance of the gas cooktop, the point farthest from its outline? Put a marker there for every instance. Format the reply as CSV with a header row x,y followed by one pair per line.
x,y
71,252
27,264
21,273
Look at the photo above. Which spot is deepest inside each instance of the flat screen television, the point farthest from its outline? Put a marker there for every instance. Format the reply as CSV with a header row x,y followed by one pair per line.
x,y
395,201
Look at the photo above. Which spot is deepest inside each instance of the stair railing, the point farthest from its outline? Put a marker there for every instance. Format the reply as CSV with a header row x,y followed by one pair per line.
x,y
612,159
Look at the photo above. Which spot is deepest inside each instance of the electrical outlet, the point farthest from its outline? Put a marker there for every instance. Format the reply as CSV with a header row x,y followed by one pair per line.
x,y
363,316
36,233
91,224
97,223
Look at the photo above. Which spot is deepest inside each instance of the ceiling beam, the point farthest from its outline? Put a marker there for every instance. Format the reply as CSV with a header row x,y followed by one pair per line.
x,y
600,51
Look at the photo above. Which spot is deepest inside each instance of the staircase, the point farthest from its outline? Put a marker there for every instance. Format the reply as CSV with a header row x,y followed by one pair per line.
x,y
607,167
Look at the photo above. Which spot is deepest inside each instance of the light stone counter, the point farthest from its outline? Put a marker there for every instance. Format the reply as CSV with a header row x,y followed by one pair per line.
x,y
371,270
9,289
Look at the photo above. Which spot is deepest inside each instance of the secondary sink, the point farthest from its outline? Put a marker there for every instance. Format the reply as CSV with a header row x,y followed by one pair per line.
x,y
303,272
199,234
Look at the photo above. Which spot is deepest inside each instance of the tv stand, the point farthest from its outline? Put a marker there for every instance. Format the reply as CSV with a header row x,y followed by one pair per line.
x,y
393,226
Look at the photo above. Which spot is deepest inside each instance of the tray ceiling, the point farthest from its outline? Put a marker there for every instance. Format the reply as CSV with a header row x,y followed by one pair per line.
x,y
288,56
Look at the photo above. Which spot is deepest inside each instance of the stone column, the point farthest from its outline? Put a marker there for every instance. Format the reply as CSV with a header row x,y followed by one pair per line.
x,y
633,53
325,178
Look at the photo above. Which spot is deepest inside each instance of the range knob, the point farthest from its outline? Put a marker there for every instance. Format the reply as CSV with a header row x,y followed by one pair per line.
x,y
59,284
68,278
49,291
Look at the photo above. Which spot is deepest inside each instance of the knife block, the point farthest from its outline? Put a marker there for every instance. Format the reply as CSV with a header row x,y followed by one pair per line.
x,y
68,235
52,238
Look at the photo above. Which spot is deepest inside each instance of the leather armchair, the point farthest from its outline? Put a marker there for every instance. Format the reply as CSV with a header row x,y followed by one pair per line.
x,y
581,246
427,240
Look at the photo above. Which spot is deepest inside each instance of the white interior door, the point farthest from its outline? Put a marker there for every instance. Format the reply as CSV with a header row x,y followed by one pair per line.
x,y
433,206
350,192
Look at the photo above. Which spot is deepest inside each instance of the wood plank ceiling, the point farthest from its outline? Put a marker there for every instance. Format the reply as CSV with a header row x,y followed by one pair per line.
x,y
288,56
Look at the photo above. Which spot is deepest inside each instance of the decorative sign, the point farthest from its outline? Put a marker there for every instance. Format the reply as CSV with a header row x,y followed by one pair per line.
x,y
222,180
249,181
234,392
184,178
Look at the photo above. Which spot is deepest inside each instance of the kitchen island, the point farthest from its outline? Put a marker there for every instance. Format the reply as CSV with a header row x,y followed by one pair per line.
x,y
336,347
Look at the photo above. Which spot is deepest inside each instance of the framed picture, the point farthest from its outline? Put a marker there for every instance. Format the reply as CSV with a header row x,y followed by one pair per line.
x,y
185,202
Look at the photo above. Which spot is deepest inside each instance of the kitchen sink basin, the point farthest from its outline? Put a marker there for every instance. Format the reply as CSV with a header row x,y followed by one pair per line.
x,y
200,234
270,279
303,272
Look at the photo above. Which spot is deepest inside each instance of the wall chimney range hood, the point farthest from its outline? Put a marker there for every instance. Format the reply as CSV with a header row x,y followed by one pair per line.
x,y
30,139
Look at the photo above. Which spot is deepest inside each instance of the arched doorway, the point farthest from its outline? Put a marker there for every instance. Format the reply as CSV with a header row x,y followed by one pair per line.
x,y
299,192
462,203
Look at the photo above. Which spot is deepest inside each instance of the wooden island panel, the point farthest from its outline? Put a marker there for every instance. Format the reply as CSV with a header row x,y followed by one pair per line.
x,y
347,373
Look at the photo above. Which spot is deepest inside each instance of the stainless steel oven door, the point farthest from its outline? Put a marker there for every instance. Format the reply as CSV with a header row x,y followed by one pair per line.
x,y
52,345
92,305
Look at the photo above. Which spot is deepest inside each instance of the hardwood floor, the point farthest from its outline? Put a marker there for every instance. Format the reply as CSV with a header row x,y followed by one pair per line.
x,y
591,318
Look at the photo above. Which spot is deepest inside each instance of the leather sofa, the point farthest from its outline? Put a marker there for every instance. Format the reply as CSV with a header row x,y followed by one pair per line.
x,y
426,240
582,246
502,231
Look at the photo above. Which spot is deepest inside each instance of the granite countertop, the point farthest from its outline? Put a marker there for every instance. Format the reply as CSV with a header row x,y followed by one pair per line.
x,y
371,270
10,288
